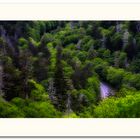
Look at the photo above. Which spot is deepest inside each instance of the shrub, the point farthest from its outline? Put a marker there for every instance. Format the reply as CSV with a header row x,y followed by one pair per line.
x,y
8,110
115,76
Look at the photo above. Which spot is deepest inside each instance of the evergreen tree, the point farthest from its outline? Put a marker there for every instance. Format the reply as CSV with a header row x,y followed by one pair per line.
x,y
60,82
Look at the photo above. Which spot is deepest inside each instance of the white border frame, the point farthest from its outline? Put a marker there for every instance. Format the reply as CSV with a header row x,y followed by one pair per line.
x,y
70,127
69,11
68,1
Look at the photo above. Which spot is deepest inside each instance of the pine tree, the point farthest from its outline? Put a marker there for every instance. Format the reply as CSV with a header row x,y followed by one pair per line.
x,y
60,82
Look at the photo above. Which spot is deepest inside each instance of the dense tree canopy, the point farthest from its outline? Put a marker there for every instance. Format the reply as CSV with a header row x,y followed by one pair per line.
x,y
54,69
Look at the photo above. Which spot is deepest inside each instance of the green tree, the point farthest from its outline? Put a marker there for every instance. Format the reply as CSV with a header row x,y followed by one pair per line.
x,y
115,76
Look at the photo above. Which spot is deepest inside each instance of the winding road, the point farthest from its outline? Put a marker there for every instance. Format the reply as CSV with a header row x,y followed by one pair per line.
x,y
105,90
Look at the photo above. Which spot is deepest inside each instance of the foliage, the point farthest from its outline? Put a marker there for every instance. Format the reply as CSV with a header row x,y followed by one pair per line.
x,y
115,76
55,69
127,107
8,110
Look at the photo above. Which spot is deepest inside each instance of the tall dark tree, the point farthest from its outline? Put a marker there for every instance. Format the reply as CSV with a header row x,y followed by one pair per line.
x,y
60,82
26,72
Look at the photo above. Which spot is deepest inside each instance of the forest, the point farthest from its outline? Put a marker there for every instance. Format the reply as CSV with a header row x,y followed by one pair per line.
x,y
69,69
